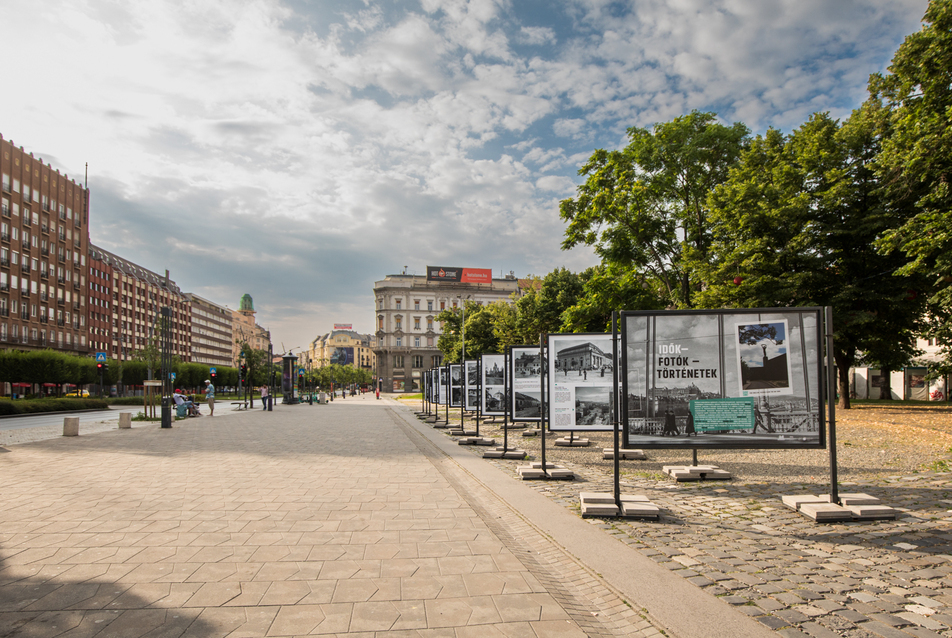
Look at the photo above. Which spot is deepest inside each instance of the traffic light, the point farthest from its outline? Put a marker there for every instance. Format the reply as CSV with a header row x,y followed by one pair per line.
x,y
244,372
212,376
105,366
99,367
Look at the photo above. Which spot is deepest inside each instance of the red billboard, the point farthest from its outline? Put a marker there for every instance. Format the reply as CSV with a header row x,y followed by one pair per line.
x,y
462,275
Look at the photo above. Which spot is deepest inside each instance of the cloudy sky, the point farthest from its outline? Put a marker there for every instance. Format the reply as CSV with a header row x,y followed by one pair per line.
x,y
299,150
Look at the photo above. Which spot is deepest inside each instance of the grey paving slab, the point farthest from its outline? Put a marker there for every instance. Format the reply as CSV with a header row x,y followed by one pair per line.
x,y
331,520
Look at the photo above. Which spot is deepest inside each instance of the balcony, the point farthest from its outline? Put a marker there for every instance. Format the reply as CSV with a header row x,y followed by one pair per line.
x,y
25,268
5,261
44,274
61,257
76,283
76,325
5,236
44,319
26,220
75,305
4,312
24,314
24,292
62,216
60,322
62,236
44,296
45,251
5,211
60,301
45,228
5,287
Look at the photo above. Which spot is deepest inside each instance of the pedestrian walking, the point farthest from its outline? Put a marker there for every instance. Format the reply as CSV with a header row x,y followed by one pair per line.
x,y
264,397
210,397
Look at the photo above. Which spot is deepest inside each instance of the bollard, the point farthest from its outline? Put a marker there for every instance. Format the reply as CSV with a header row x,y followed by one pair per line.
x,y
71,426
125,420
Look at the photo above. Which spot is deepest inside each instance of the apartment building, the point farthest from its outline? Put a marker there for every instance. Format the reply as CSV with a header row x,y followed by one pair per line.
x,y
212,328
406,307
44,238
138,294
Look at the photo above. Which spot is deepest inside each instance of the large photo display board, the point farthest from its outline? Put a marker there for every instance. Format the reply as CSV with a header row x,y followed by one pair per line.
x,y
580,382
444,386
456,385
493,394
471,385
525,383
723,379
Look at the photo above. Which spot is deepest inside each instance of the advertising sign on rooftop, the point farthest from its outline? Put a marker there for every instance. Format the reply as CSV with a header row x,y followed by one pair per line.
x,y
461,275
343,326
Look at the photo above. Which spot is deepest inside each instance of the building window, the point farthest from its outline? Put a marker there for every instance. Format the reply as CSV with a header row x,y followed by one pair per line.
x,y
399,321
399,342
429,305
437,360
416,342
418,361
416,323
429,341
380,322
416,304
442,305
397,301
398,361
429,325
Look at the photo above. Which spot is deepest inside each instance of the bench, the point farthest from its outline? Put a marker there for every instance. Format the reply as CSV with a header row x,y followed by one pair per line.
x,y
241,405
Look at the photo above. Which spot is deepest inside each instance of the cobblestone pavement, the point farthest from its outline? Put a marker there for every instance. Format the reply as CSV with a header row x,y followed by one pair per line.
x,y
736,540
309,520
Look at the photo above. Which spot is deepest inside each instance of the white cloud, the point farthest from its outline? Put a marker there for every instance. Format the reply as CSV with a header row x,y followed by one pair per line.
x,y
392,137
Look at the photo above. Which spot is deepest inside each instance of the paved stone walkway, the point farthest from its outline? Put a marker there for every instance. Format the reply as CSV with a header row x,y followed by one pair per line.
x,y
334,520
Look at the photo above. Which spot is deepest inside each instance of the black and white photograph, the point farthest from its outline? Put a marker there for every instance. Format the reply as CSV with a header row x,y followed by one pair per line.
x,y
456,375
527,406
593,406
525,383
578,361
472,399
472,373
723,379
456,397
494,369
493,395
494,401
762,358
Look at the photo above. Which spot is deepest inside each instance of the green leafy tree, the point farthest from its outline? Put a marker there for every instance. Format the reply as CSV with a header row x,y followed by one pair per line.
x,y
796,225
646,206
914,105
607,288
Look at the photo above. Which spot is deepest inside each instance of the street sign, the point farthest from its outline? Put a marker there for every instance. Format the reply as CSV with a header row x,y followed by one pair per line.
x,y
300,372
173,376
152,383
212,370
100,357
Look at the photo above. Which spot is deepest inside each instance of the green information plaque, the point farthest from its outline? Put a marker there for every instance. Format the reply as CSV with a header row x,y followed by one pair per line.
x,y
721,415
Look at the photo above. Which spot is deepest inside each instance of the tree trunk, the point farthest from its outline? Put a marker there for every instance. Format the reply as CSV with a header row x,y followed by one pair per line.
x,y
843,365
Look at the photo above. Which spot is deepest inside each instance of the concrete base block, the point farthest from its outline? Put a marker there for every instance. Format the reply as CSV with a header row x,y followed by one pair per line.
x,y
872,512
567,442
498,453
538,465
125,420
477,440
599,509
514,426
528,473
440,426
696,473
532,432
826,512
462,432
603,504
71,426
853,498
794,501
631,455
561,473
640,510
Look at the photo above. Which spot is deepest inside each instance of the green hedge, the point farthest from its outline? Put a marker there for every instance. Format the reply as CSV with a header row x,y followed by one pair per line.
x,y
34,406
126,401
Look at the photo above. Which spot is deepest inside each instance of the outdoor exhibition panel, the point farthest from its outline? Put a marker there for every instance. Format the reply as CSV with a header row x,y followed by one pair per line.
x,y
739,378
456,385
580,382
471,385
493,374
444,389
525,383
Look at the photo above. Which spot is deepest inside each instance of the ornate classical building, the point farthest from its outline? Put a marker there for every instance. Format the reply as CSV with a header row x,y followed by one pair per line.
x,y
244,328
406,307
343,347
